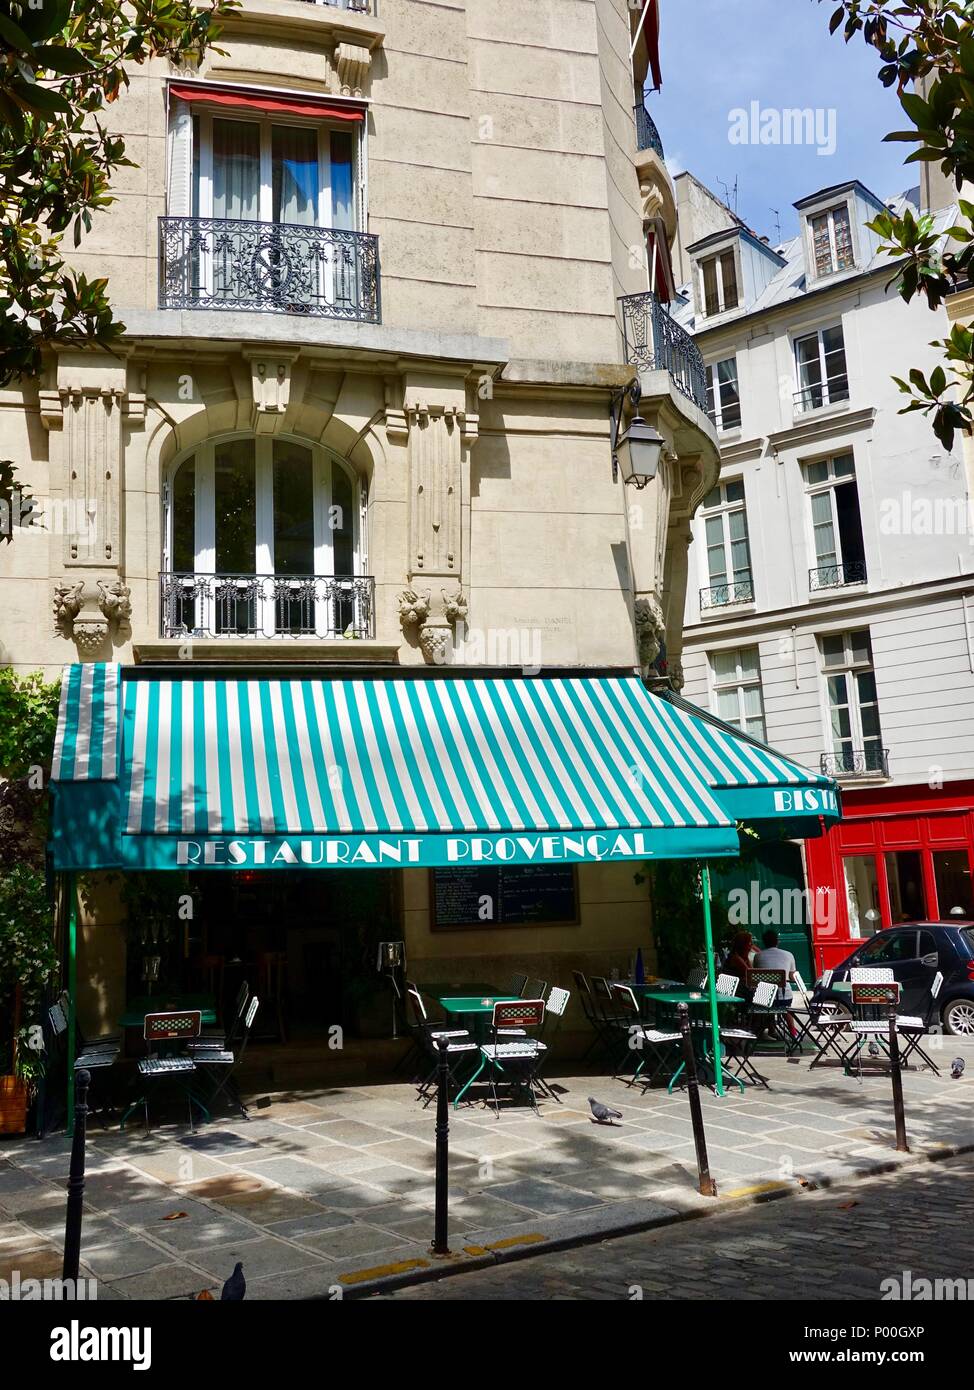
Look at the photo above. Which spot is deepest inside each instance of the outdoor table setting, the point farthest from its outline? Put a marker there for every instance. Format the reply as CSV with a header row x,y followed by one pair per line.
x,y
136,1009
700,1031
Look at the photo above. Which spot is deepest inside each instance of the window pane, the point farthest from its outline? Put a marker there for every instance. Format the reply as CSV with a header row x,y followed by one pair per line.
x,y
342,190
907,900
236,169
809,372
725,666
823,529
844,466
817,472
235,507
342,520
716,557
729,270
833,346
294,156
862,649
184,518
833,650
842,233
734,492
749,663
294,539
862,894
712,498
952,873
728,708
710,296
821,244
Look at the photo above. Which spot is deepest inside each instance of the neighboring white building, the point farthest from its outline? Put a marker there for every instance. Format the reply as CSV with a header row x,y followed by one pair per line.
x,y
831,574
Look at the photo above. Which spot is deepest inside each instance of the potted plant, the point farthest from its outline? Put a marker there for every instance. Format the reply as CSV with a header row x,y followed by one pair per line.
x,y
28,962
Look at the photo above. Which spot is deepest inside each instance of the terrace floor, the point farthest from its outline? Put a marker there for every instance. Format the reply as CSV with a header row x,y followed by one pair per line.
x,y
323,1190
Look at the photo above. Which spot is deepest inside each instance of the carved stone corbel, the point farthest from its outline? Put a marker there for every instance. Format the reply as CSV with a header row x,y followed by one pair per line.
x,y
92,615
352,63
650,629
270,376
414,609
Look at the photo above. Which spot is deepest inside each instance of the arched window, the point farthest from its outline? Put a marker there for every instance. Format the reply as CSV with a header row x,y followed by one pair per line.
x,y
261,539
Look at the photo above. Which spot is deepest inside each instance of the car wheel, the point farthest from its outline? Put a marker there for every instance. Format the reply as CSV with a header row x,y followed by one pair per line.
x,y
958,1017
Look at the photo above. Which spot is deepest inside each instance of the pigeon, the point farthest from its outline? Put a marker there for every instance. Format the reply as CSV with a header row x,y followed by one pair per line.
x,y
602,1114
874,1049
236,1286
957,1068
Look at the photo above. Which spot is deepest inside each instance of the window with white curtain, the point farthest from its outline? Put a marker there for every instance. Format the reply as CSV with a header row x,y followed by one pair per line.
x,y
263,170
853,701
729,578
737,690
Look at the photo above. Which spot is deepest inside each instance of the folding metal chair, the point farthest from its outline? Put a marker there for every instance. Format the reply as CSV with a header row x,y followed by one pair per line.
x,y
517,985
654,1044
584,990
163,1032
871,1003
775,1018
220,1036
212,1060
555,1006
425,1035
745,1038
915,1027
515,1061
535,989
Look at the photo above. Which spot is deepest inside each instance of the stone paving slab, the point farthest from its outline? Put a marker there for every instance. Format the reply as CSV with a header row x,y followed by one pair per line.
x,y
332,1188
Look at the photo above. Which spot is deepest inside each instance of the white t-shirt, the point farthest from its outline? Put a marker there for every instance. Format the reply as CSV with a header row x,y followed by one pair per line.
x,y
774,958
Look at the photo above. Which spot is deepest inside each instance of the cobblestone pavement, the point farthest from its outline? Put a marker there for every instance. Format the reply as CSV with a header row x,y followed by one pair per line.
x,y
839,1244
331,1187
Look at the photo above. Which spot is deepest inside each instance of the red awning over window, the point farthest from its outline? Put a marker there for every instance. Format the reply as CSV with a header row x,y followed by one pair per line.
x,y
273,105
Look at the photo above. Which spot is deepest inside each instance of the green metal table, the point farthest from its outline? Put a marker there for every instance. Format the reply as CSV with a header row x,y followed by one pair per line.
x,y
136,1009
701,1037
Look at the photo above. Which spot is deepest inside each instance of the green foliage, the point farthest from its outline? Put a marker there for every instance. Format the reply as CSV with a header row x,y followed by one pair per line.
x,y
28,720
65,62
28,960
927,52
678,916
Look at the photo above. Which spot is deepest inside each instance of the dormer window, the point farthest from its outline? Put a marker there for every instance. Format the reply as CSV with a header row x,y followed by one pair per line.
x,y
718,279
832,247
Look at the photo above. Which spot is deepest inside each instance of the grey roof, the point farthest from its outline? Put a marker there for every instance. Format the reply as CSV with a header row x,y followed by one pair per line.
x,y
790,283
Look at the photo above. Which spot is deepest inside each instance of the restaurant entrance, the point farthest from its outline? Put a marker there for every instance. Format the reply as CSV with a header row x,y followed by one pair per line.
x,y
304,941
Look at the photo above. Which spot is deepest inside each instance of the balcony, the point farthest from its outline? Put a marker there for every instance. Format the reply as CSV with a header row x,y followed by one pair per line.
x,y
268,267
856,762
836,576
647,134
725,595
656,342
264,606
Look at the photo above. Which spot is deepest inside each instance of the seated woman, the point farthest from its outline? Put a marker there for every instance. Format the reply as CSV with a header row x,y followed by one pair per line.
x,y
738,961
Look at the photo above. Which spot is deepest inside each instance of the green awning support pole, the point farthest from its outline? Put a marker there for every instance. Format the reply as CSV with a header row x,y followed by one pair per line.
x,y
711,979
71,890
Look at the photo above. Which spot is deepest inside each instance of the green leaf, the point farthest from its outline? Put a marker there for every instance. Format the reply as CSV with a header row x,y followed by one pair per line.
x,y
14,36
67,61
41,100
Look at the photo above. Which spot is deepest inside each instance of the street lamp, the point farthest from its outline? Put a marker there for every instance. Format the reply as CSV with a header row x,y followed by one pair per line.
x,y
637,451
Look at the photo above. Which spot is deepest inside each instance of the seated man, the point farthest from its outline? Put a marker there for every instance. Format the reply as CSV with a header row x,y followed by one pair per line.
x,y
772,957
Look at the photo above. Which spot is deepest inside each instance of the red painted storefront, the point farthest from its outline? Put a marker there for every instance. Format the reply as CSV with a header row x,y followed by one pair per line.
x,y
901,854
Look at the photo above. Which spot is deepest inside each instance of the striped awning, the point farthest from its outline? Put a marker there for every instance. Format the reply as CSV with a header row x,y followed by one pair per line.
x,y
415,770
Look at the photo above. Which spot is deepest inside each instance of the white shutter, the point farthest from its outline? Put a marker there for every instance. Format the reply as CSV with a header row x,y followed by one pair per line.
x,y
179,194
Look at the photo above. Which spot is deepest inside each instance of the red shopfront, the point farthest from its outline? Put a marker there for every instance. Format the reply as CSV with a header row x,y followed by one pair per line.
x,y
900,854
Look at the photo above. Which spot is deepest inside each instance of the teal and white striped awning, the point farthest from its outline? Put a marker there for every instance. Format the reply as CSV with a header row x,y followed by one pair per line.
x,y
161,772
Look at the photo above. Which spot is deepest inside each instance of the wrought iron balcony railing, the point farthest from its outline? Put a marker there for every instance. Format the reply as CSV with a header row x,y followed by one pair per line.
x,y
722,595
271,267
856,762
656,342
363,6
836,576
829,392
266,605
647,134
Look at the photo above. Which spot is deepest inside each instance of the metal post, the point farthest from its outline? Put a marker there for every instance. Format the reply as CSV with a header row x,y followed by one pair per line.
x,y
705,1184
711,979
76,1181
896,1072
441,1244
69,888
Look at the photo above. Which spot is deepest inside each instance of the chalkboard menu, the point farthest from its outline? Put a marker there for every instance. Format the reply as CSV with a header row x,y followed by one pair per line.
x,y
495,896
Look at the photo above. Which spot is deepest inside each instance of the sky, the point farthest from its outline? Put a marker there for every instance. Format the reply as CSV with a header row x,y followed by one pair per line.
x,y
720,56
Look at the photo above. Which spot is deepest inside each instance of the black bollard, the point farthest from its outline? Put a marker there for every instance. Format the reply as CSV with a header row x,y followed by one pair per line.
x,y
441,1244
76,1179
705,1184
896,1072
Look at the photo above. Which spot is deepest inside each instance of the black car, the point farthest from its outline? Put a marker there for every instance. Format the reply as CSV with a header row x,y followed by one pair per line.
x,y
915,951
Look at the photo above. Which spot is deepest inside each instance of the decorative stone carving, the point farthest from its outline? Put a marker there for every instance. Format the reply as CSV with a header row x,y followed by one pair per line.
x,y
455,607
115,602
414,609
352,63
650,629
91,615
270,375
674,669
434,475
68,602
436,644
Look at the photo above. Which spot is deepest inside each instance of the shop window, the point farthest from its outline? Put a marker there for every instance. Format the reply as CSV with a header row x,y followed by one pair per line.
x,y
862,894
952,875
907,899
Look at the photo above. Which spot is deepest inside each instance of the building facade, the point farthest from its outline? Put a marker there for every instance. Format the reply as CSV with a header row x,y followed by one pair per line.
x,y
828,610
370,263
